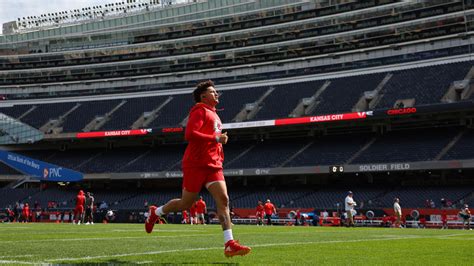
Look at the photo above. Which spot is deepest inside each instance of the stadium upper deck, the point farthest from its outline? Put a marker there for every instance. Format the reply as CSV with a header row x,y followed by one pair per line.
x,y
274,39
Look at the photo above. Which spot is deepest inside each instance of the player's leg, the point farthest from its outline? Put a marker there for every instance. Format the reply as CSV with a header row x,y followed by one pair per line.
x,y
174,205
218,191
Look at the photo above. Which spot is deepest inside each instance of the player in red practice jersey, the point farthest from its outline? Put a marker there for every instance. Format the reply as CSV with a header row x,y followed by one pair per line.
x,y
185,217
444,220
201,209
260,213
202,166
79,210
269,211
193,213
26,213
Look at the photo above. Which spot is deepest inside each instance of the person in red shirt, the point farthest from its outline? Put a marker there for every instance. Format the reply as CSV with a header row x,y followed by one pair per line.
x,y
260,213
185,217
202,166
201,209
79,210
26,213
444,220
298,217
269,211
193,213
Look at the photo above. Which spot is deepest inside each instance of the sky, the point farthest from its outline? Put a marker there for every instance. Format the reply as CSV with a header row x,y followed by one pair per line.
x,y
12,9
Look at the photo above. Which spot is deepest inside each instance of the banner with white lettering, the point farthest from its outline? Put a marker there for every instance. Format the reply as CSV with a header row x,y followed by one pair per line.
x,y
38,169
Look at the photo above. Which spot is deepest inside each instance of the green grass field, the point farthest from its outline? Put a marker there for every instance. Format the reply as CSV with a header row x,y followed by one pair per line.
x,y
186,244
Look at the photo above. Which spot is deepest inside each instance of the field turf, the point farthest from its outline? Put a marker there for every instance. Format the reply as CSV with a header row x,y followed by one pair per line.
x,y
186,244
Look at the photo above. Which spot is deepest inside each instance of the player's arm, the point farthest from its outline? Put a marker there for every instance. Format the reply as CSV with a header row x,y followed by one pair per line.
x,y
195,123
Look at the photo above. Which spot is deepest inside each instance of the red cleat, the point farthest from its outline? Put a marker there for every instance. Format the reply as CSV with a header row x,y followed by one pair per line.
x,y
151,220
234,248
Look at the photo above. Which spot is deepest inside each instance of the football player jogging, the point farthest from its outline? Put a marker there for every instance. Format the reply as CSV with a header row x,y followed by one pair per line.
x,y
202,166
79,210
201,209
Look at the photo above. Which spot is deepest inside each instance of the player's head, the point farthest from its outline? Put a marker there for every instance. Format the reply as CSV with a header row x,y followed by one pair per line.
x,y
206,93
88,194
349,193
396,200
81,192
260,202
200,197
268,200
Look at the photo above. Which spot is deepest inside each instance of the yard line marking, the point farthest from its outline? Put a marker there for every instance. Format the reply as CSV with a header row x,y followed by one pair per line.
x,y
456,238
159,230
144,262
217,248
16,256
103,238
16,227
17,262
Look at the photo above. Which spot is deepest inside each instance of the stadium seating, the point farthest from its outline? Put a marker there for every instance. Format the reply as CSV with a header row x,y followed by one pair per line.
x,y
395,146
463,148
330,150
306,47
407,146
343,93
281,102
44,112
425,85
87,112
340,96
271,153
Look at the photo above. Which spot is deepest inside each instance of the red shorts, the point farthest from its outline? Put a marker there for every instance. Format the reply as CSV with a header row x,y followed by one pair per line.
x,y
79,209
195,178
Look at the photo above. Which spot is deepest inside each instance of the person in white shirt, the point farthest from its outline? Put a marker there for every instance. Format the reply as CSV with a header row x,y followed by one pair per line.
x,y
398,212
349,207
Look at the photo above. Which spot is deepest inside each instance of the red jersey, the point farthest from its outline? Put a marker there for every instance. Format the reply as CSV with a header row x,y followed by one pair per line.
x,y
80,200
260,211
202,130
26,211
192,210
200,206
444,217
268,208
185,215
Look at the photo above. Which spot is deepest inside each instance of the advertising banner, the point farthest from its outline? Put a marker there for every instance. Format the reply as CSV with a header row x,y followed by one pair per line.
x,y
38,169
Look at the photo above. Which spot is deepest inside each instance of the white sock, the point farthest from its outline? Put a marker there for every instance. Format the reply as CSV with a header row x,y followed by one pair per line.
x,y
228,235
159,211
